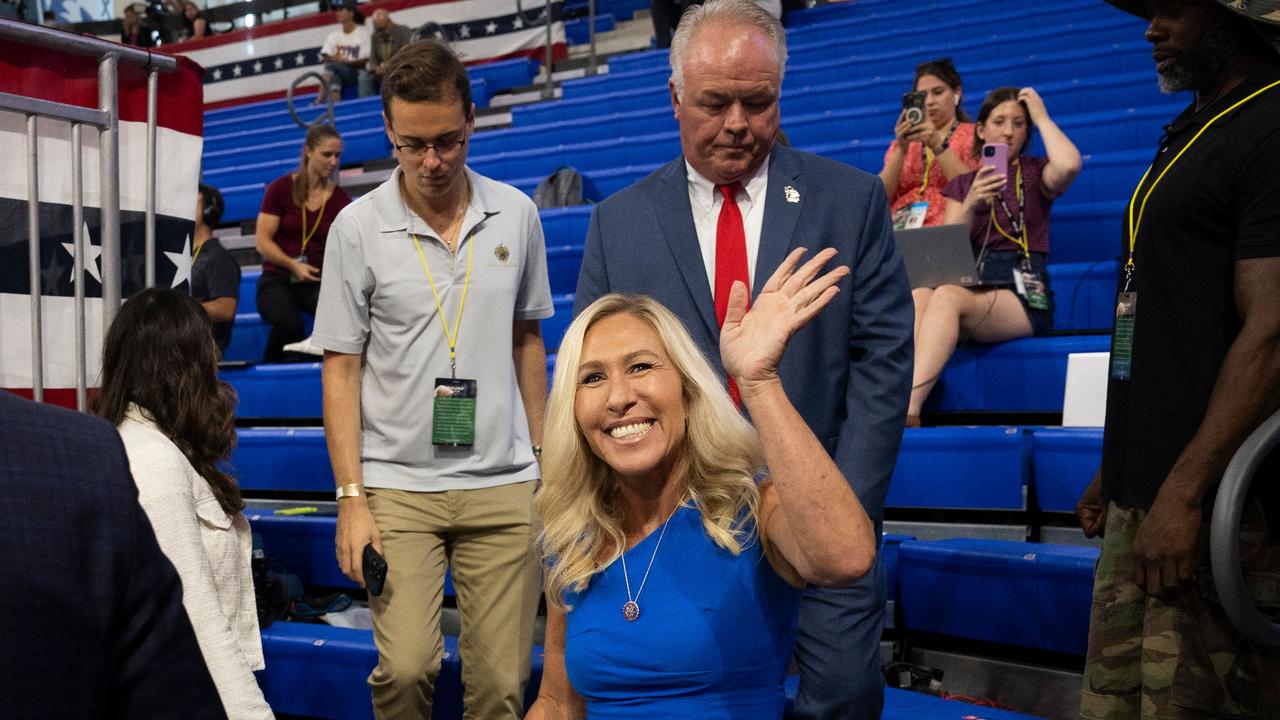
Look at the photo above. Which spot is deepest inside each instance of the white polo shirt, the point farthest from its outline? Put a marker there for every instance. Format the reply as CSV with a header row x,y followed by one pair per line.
x,y
375,301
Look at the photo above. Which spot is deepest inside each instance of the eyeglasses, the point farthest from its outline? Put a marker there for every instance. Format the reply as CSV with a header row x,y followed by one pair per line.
x,y
444,148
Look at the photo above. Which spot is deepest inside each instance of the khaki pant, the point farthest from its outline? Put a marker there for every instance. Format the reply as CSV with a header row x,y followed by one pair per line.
x,y
1178,658
487,537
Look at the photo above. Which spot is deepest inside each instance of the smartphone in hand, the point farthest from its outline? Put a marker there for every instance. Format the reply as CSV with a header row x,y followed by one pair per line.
x,y
375,570
913,107
996,156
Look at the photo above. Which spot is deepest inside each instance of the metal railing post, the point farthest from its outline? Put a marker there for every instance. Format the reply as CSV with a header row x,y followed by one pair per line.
x,y
153,88
591,35
109,192
33,259
77,263
549,89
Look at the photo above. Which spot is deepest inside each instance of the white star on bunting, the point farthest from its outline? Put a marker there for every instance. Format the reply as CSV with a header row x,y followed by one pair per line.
x,y
464,31
91,253
518,23
181,261
217,74
235,70
279,63
491,28
257,67
299,59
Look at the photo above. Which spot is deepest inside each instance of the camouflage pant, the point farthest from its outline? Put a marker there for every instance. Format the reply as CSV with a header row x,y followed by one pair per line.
x,y
1181,657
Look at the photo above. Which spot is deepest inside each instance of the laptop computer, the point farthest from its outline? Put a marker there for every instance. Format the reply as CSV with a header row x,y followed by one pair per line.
x,y
938,255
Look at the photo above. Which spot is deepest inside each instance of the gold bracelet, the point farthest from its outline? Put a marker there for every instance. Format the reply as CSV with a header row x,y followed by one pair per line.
x,y
350,490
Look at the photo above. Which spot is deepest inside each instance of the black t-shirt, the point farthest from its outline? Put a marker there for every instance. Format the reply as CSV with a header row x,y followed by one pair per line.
x,y
215,274
1219,204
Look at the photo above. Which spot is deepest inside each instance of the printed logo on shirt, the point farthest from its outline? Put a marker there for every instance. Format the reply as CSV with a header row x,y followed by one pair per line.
x,y
502,257
347,52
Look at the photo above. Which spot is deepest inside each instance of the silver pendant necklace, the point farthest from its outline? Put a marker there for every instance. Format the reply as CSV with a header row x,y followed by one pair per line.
x,y
631,608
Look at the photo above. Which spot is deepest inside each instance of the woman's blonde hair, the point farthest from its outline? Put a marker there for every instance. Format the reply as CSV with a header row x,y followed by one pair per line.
x,y
579,497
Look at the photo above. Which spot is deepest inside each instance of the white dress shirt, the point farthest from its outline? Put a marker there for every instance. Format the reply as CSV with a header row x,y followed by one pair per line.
x,y
706,201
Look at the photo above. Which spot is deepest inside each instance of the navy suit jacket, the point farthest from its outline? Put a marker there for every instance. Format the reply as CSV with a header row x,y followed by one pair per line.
x,y
91,616
849,371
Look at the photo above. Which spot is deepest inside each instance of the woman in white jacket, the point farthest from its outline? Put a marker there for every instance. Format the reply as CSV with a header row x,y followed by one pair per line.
x,y
160,388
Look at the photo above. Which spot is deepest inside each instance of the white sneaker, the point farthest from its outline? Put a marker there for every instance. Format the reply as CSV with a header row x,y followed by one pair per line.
x,y
305,347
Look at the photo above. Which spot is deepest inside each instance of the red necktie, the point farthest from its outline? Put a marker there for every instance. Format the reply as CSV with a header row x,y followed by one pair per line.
x,y
731,261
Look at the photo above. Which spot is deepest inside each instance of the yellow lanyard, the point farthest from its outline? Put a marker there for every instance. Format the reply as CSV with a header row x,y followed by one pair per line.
x,y
196,254
306,236
450,337
1135,227
928,159
1023,243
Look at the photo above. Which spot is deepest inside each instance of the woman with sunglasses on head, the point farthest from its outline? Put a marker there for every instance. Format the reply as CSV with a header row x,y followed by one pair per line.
x,y
160,388
1008,218
927,154
297,210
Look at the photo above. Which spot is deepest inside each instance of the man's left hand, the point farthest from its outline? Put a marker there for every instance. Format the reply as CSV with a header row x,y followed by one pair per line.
x,y
1166,542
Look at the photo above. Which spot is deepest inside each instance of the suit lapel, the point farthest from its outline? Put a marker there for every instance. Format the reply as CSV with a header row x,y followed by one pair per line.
x,y
780,216
675,219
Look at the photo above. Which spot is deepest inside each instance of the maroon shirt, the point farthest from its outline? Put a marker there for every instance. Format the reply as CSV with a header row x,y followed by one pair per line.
x,y
278,201
1037,208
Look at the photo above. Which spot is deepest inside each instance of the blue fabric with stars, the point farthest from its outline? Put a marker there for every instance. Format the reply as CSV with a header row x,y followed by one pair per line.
x,y
713,640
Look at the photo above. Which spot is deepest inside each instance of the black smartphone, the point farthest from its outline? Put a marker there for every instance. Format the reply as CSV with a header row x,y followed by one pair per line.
x,y
913,107
375,570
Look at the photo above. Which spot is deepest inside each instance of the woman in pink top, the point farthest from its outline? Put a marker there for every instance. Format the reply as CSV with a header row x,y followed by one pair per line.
x,y
924,157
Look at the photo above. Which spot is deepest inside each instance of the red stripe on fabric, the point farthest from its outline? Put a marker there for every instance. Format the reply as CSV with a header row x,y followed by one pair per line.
x,y
63,397
559,51
303,23
45,73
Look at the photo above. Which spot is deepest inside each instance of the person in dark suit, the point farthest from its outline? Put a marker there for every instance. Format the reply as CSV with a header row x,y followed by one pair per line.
x,y
673,236
93,624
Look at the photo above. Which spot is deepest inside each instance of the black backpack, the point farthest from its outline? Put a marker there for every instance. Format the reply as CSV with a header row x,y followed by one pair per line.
x,y
562,188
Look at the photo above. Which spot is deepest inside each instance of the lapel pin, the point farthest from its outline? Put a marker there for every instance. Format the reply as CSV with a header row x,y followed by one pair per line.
x,y
792,195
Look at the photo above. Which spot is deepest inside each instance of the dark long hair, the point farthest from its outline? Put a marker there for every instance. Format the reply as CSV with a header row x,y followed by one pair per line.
x,y
159,353
994,99
945,70
316,134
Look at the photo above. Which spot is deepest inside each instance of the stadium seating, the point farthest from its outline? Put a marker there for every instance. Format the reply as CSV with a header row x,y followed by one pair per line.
x,y
1063,463
983,468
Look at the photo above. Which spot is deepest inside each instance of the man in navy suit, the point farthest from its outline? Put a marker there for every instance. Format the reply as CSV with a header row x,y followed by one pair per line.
x,y
674,237
91,616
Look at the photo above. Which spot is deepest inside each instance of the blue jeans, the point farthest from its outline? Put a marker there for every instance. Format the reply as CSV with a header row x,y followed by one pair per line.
x,y
342,75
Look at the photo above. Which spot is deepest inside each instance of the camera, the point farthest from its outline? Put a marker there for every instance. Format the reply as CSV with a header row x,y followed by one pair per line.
x,y
913,107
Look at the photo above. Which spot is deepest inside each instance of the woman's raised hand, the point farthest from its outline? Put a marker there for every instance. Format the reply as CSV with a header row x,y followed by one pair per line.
x,y
752,341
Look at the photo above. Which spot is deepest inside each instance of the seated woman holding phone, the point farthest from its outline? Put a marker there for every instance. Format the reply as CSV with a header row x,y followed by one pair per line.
x,y
678,537
933,143
1006,205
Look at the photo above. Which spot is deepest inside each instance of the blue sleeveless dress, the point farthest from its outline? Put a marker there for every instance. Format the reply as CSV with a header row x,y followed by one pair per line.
x,y
714,637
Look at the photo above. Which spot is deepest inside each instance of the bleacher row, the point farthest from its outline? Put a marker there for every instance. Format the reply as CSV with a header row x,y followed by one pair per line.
x,y
849,64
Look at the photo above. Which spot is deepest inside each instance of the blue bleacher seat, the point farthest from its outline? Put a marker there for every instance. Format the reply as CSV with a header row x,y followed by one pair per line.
x,y
276,391
1026,375
1084,295
1063,462
282,459
889,544
1032,595
907,705
577,31
982,468
553,327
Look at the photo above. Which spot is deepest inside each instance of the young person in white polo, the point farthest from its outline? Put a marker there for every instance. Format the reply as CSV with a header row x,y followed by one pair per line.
x,y
434,388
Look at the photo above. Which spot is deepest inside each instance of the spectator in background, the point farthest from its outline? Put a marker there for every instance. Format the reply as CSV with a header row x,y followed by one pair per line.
x,y
93,620
388,38
160,387
346,51
215,275
194,24
731,208
1195,368
292,228
435,379
132,31
1008,219
925,156
666,16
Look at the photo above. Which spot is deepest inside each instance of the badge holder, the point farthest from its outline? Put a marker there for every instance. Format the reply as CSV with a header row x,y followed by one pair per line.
x,y
1122,340
302,258
453,422
1030,286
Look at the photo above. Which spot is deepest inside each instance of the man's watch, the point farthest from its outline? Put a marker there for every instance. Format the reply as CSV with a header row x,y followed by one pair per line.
x,y
350,490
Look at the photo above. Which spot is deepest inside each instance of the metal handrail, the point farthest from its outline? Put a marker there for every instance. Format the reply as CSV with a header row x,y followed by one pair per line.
x,y
1224,535
29,34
